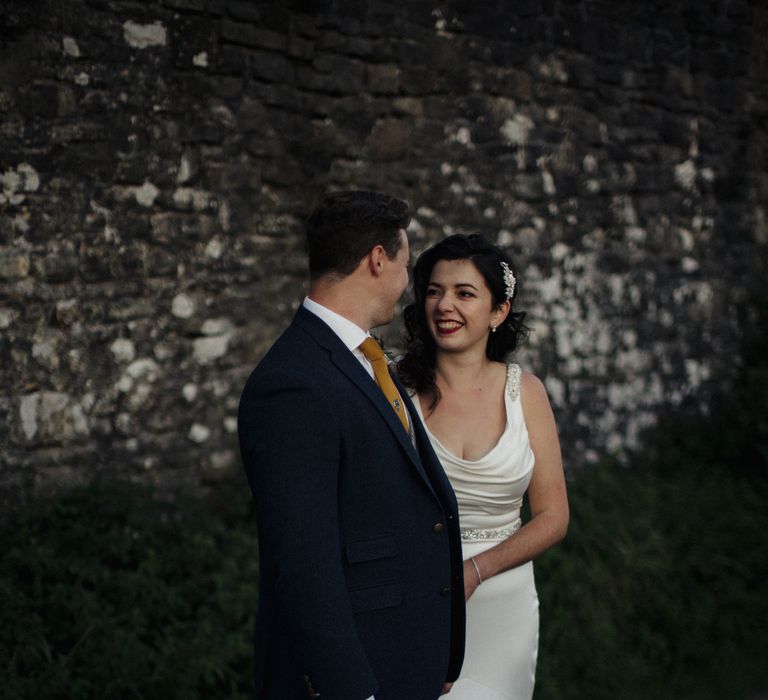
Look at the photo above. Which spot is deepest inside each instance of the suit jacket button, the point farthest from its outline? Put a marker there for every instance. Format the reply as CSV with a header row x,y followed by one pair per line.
x,y
438,527
445,591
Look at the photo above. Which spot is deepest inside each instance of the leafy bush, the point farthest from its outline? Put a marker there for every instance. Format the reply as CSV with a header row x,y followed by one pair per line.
x,y
659,589
657,592
109,594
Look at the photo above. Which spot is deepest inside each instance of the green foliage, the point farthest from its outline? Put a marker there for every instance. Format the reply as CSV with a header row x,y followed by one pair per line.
x,y
657,592
659,589
110,594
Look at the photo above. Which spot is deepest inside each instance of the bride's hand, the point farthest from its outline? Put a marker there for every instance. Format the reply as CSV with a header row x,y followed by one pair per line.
x,y
471,582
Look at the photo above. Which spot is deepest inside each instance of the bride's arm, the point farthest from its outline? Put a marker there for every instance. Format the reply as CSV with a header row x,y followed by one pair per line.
x,y
546,492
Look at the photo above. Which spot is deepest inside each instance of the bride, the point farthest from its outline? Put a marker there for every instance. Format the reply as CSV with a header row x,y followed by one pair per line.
x,y
492,427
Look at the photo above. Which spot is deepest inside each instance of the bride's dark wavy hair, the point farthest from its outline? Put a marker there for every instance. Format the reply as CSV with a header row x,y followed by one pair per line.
x,y
416,369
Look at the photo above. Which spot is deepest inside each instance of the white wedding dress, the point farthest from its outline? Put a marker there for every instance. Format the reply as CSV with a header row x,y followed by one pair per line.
x,y
503,613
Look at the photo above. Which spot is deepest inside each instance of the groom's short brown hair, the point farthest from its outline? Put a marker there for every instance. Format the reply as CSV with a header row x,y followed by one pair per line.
x,y
345,226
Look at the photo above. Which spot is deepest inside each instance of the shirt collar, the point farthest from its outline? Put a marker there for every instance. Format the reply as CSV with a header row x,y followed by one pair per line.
x,y
349,333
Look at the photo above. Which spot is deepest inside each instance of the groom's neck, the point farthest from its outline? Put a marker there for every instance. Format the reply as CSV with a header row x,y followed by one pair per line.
x,y
344,297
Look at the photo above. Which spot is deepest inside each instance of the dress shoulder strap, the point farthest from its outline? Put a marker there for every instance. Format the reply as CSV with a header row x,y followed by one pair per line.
x,y
513,380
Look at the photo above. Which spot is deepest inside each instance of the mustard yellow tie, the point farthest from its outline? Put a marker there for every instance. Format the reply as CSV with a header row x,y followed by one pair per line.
x,y
375,355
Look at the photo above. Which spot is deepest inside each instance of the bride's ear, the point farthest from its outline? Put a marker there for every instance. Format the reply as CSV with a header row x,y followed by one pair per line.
x,y
501,312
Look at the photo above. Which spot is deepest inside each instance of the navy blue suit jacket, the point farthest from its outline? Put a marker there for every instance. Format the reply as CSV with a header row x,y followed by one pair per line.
x,y
361,584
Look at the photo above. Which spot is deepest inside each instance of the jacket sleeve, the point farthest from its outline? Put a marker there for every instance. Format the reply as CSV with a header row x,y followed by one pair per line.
x,y
291,448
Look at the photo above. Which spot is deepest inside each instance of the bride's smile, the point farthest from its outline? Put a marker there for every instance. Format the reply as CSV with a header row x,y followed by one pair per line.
x,y
459,306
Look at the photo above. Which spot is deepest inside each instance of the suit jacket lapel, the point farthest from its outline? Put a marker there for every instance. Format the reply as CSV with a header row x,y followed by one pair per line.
x,y
350,366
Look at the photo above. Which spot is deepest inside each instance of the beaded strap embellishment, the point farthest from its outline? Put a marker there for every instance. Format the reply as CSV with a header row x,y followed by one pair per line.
x,y
513,380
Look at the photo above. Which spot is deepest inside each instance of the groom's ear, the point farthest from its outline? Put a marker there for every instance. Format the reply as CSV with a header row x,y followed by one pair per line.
x,y
375,259
369,264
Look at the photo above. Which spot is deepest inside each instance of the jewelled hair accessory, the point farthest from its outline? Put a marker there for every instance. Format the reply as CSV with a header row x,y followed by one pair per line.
x,y
509,280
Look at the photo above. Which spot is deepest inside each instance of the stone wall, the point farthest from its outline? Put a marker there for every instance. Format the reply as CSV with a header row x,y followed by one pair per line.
x,y
157,160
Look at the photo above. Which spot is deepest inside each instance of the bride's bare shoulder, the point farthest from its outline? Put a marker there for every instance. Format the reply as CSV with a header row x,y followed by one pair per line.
x,y
532,390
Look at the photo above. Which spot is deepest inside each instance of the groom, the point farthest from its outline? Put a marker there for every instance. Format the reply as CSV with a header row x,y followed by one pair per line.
x,y
361,588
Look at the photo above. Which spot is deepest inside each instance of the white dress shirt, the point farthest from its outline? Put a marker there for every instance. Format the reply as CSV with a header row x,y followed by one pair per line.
x,y
349,333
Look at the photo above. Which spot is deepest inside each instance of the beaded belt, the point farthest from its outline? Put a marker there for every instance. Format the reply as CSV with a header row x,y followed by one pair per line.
x,y
472,534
